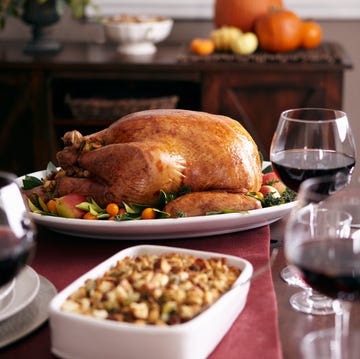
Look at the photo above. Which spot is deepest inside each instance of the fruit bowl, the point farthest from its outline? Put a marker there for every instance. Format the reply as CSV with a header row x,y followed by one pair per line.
x,y
136,35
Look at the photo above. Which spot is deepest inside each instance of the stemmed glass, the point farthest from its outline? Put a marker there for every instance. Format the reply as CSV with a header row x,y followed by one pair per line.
x,y
328,259
312,142
323,222
17,231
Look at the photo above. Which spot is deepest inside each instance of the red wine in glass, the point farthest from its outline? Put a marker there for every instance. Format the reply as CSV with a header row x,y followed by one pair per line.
x,y
15,253
331,267
295,166
17,231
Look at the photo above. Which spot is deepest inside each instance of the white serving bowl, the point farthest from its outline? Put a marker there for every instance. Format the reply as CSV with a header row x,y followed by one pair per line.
x,y
136,35
79,336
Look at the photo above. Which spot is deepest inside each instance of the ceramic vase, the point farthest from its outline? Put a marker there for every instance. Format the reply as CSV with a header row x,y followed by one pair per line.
x,y
39,15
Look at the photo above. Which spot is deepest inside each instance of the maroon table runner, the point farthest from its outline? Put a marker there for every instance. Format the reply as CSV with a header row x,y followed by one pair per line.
x,y
61,259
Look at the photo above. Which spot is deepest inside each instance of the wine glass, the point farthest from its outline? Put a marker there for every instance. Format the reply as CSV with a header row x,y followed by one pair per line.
x,y
312,142
17,231
328,260
323,222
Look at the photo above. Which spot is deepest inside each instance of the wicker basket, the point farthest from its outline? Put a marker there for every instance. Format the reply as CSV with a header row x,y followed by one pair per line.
x,y
105,109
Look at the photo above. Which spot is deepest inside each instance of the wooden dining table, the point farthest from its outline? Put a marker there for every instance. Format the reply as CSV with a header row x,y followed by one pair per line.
x,y
268,327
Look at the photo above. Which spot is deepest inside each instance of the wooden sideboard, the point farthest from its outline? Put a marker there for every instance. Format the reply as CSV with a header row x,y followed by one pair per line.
x,y
34,90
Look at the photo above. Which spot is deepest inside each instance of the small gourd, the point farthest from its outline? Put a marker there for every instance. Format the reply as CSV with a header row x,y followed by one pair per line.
x,y
246,44
224,37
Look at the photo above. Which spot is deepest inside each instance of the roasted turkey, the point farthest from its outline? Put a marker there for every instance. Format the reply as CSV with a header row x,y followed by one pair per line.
x,y
145,152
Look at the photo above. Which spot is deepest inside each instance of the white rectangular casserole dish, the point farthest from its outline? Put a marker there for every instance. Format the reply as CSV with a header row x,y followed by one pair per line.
x,y
79,336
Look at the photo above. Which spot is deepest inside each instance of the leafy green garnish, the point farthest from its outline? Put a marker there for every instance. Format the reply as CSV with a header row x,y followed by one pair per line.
x,y
92,207
287,196
165,198
267,169
134,211
37,205
181,214
261,158
30,182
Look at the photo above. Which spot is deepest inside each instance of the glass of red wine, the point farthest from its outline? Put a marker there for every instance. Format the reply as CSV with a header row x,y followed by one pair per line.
x,y
328,260
308,300
17,230
312,142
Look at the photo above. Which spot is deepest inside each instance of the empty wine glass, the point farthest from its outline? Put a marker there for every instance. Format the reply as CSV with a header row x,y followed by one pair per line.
x,y
307,143
17,231
328,260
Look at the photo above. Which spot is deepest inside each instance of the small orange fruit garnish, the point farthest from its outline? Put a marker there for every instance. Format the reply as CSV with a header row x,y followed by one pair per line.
x,y
121,211
202,46
148,213
112,209
51,205
89,216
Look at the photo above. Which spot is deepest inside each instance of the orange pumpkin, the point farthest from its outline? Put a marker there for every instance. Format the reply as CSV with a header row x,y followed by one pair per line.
x,y
279,31
312,34
242,13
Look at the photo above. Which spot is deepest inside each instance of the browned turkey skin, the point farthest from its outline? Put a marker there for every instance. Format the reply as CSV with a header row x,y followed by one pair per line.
x,y
201,203
145,152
